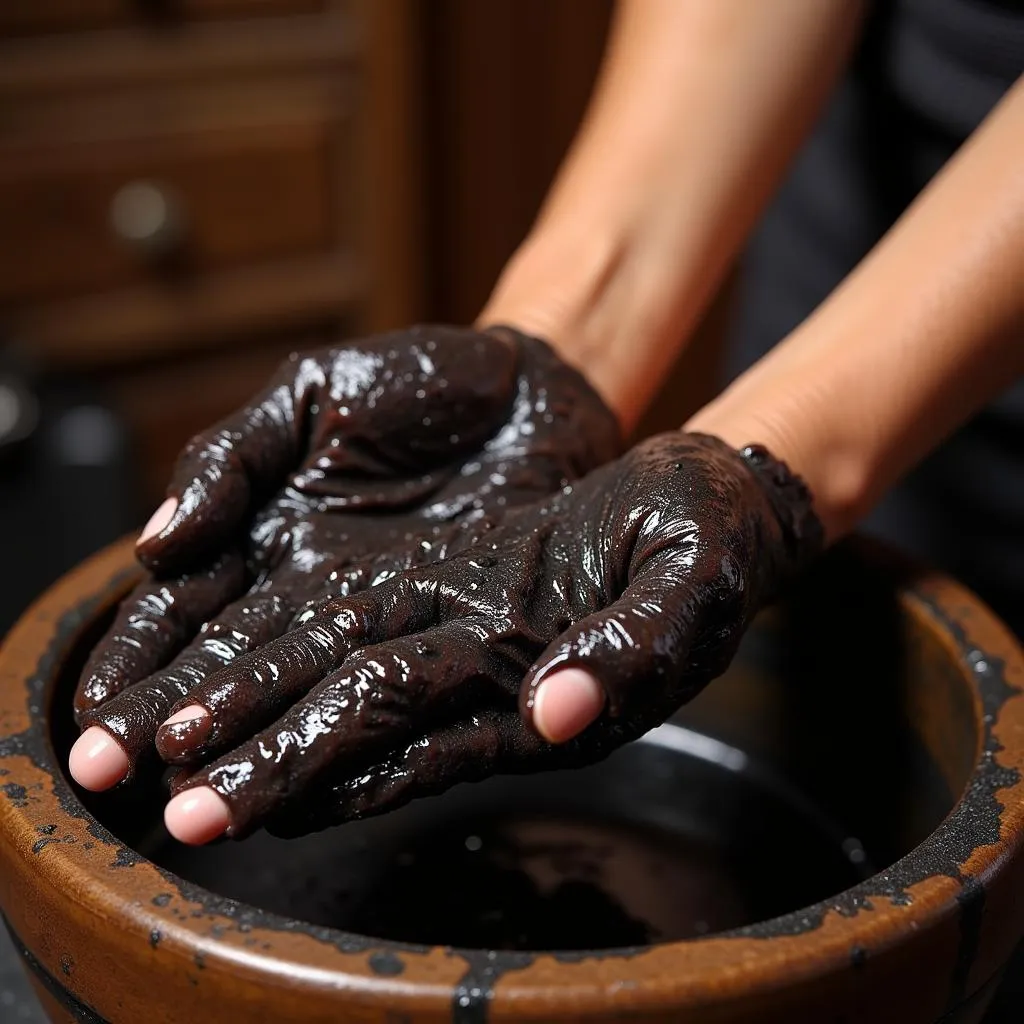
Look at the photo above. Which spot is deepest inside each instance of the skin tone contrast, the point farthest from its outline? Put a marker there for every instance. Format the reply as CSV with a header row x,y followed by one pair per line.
x,y
698,111
644,573
324,487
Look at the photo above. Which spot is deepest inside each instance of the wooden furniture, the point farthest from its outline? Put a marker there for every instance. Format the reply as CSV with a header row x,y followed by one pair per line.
x,y
190,188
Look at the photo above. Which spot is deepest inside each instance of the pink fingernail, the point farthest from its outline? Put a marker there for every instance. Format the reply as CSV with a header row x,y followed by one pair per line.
x,y
183,732
196,816
186,715
158,521
566,703
97,761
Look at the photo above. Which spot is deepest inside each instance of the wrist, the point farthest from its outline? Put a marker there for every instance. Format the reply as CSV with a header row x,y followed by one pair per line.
x,y
795,419
607,298
547,288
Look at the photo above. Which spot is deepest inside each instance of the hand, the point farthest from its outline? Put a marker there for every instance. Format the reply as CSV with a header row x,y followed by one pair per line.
x,y
640,578
355,463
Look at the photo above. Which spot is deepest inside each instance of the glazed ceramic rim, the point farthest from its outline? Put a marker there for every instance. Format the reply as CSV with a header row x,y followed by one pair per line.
x,y
539,985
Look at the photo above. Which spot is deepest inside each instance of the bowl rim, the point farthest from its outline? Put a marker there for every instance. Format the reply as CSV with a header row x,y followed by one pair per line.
x,y
927,888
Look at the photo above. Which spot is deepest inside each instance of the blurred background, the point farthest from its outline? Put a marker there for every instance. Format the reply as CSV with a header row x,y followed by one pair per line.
x,y
189,189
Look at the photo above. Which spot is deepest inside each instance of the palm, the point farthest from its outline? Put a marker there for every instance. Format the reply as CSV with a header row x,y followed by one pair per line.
x,y
356,463
648,570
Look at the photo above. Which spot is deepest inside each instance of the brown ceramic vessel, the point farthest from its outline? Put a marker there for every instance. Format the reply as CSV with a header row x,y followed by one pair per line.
x,y
889,696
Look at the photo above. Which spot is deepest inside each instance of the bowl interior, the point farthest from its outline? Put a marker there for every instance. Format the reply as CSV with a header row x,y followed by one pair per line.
x,y
841,736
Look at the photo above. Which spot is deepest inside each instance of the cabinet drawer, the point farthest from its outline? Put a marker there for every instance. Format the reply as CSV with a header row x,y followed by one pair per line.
x,y
19,17
86,218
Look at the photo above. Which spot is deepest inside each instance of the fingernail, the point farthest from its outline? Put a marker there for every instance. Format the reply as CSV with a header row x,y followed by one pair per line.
x,y
158,521
188,714
196,816
566,703
97,761
183,732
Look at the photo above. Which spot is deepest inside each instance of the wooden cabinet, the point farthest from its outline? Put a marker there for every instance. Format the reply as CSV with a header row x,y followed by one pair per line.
x,y
508,83
190,188
81,218
68,15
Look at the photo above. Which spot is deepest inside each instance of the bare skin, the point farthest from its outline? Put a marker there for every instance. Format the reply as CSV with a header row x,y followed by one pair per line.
x,y
698,112
919,337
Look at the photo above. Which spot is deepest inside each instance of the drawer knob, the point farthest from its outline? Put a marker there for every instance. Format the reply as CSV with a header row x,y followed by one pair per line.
x,y
148,217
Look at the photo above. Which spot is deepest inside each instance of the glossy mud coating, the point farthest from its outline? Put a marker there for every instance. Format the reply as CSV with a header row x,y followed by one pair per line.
x,y
646,571
920,940
720,837
356,462
350,680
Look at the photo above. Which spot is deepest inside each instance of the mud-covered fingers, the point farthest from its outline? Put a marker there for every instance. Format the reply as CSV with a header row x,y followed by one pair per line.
x,y
632,655
155,621
239,794
234,702
380,697
408,399
223,473
490,741
120,731
252,691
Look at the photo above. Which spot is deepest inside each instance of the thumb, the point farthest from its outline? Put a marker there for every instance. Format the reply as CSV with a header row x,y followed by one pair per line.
x,y
628,659
565,703
220,478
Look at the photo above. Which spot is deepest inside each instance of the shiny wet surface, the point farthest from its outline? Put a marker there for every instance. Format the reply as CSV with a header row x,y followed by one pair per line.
x,y
671,838
731,845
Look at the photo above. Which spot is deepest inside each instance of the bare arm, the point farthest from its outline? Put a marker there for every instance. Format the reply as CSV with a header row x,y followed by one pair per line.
x,y
924,332
919,337
699,108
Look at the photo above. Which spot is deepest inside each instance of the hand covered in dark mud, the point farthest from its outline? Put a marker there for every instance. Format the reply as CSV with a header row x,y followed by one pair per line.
x,y
355,463
639,580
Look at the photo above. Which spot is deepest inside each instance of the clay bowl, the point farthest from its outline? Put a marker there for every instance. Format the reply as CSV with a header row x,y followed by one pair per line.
x,y
831,832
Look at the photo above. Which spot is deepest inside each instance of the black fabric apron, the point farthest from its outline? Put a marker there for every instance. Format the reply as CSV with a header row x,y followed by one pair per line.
x,y
926,74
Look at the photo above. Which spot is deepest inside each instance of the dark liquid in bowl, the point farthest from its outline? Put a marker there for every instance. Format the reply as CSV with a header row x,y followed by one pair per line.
x,y
672,837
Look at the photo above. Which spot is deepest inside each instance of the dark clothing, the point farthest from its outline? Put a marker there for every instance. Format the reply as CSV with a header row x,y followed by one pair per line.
x,y
926,74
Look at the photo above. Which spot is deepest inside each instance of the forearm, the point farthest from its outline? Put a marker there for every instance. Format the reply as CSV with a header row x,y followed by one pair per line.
x,y
924,332
697,112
